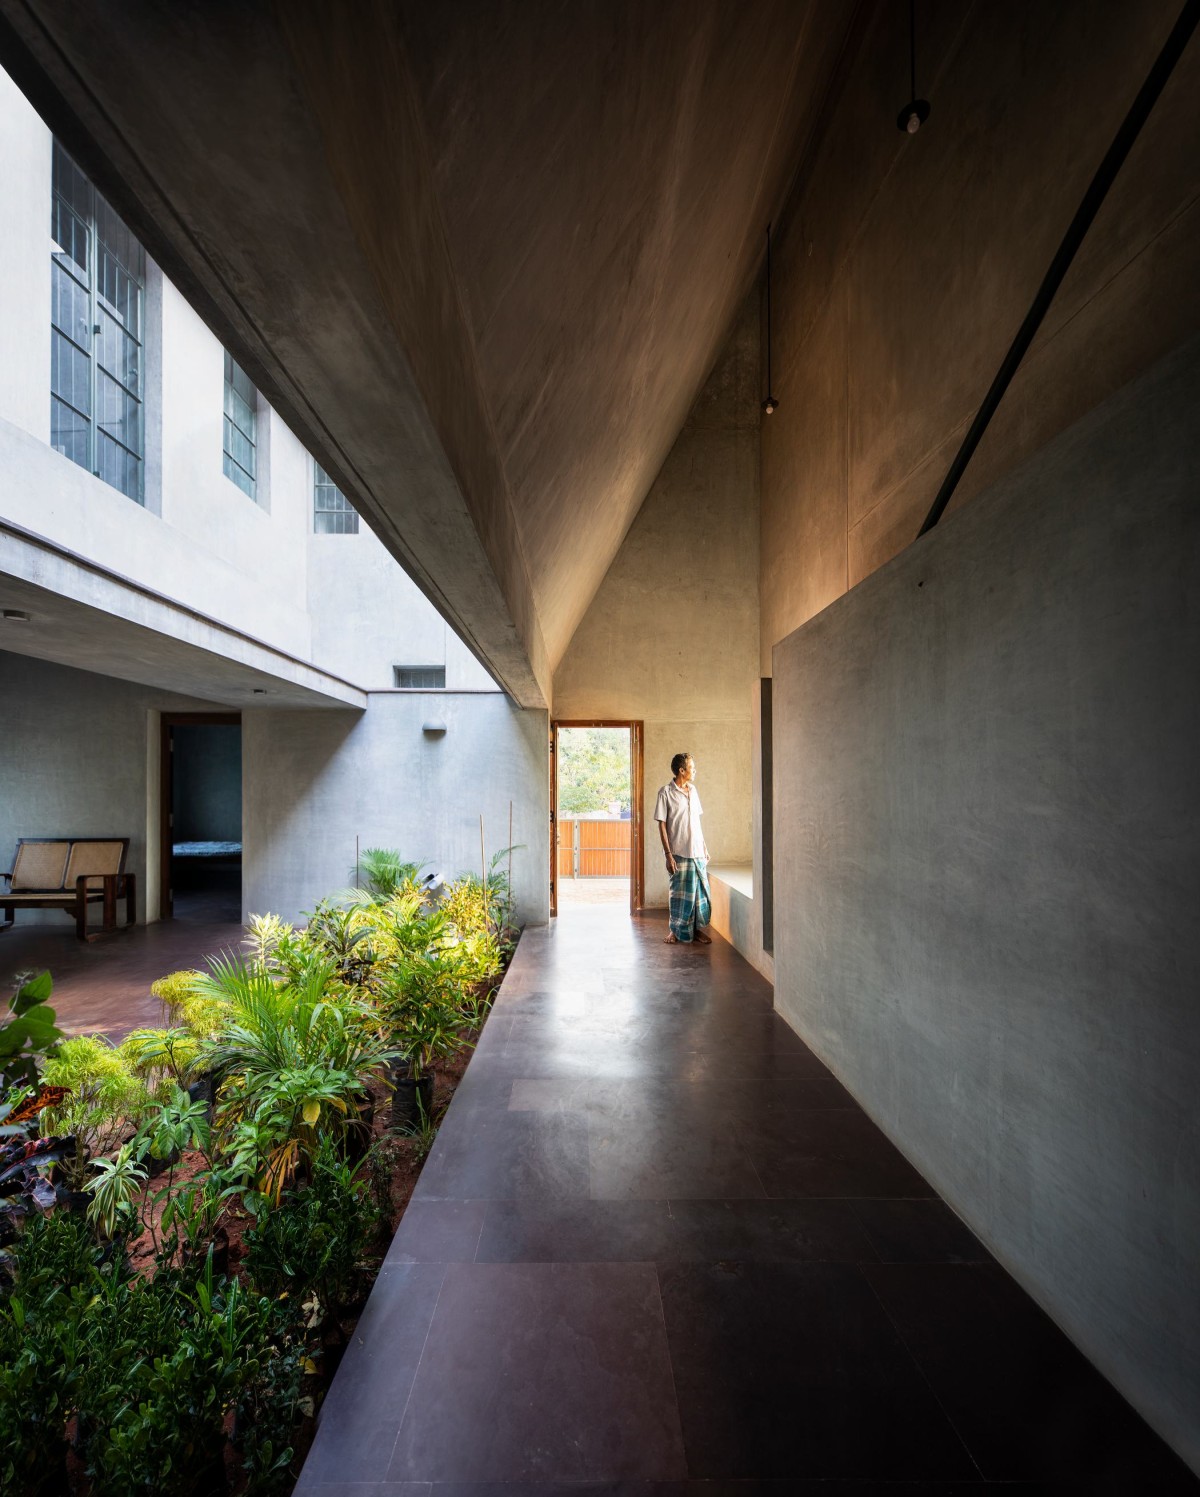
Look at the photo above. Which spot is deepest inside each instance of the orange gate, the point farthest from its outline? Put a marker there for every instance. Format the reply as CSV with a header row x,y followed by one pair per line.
x,y
590,848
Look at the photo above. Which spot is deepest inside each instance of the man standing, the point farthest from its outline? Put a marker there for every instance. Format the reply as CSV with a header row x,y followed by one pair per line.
x,y
678,812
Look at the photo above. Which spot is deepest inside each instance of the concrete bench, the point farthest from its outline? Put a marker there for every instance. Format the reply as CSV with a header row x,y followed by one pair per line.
x,y
69,873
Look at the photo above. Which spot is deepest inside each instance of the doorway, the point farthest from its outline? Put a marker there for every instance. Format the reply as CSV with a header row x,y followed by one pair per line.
x,y
596,853
201,837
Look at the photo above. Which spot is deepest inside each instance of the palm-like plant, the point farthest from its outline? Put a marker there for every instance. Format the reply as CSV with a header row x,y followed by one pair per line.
x,y
382,872
291,1062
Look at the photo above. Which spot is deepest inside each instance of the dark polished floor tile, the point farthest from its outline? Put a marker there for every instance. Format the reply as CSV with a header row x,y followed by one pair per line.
x,y
1026,1402
786,1488
438,1232
365,1489
676,1231
492,1155
362,1410
918,1232
765,1232
575,1232
788,1370
543,1372
653,1154
827,1153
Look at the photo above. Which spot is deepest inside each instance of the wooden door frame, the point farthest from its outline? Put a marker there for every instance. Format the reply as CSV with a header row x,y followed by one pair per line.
x,y
167,721
637,841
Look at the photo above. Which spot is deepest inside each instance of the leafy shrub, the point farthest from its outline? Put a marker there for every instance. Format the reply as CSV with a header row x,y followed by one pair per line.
x,y
164,1059
383,873
171,1358
104,1100
315,1241
292,1063
28,1035
43,1351
201,1014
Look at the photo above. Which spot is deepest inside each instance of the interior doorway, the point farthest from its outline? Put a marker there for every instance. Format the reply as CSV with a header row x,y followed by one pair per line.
x,y
201,837
596,854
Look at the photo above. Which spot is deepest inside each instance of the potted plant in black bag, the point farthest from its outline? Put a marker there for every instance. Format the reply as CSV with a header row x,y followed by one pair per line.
x,y
422,1019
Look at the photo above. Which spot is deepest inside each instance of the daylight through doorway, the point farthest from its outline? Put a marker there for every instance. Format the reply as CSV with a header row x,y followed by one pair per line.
x,y
595,843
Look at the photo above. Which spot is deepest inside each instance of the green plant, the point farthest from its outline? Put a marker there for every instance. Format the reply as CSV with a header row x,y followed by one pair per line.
x,y
29,1035
201,1014
345,939
263,935
114,1190
43,1351
163,1058
104,1097
269,1406
292,1063
382,873
315,1241
180,1351
420,1008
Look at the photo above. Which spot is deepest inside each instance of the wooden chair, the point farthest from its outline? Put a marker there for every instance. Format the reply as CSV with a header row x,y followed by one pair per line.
x,y
69,873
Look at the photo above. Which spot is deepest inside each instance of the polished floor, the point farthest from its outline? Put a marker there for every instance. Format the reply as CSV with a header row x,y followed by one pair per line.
x,y
659,1251
103,986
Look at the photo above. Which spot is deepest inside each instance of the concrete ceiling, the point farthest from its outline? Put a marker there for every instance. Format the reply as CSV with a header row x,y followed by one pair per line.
x,y
481,256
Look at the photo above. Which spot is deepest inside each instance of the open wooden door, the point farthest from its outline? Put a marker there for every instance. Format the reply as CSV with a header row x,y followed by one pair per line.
x,y
553,820
637,860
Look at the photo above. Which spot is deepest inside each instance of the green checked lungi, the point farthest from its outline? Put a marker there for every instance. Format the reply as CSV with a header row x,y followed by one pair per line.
x,y
690,904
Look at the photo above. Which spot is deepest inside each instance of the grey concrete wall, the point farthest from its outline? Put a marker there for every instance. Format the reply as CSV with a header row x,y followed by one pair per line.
x,y
987,876
313,781
368,616
903,267
207,782
672,635
77,759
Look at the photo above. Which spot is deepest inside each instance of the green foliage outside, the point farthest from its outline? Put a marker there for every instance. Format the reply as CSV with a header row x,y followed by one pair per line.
x,y
262,1069
593,770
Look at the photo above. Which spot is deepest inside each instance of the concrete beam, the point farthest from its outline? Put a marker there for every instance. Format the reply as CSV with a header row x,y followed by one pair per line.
x,y
84,617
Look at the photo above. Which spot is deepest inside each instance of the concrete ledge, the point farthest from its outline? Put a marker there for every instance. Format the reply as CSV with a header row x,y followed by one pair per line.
x,y
734,916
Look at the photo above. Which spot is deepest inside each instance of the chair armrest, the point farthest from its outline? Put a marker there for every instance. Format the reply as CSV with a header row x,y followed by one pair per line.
x,y
106,879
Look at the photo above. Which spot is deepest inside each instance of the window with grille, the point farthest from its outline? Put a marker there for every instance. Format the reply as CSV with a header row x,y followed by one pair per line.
x,y
420,677
241,407
333,514
98,276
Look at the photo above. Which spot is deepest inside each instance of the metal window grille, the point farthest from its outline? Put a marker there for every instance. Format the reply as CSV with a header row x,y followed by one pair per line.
x,y
333,514
241,401
420,677
98,283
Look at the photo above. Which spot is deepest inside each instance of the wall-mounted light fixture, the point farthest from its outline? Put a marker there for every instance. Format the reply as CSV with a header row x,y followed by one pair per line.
x,y
770,405
916,111
15,616
433,729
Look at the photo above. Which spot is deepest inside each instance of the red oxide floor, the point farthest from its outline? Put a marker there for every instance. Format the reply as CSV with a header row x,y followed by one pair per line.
x,y
104,985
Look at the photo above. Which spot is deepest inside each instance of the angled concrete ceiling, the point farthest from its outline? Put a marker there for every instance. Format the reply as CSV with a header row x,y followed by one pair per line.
x,y
481,256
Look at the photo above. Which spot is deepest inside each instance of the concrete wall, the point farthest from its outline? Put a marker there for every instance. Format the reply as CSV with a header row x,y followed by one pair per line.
x,y
207,782
368,616
313,781
987,880
671,637
79,757
903,267
340,603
